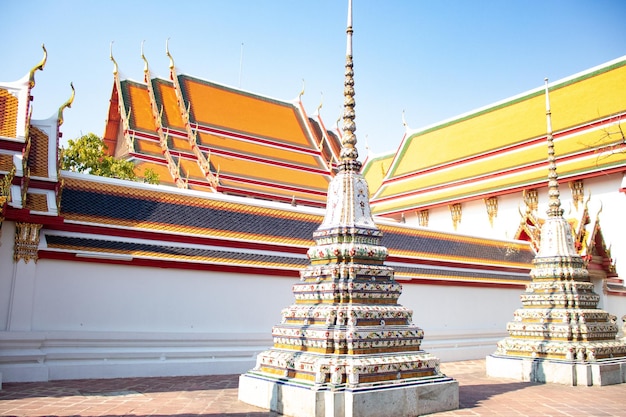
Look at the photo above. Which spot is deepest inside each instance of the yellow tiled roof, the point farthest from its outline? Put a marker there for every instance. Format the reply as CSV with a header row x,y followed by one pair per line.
x,y
375,170
503,146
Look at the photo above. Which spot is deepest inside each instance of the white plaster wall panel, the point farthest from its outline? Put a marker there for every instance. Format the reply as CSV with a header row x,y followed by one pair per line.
x,y
443,309
6,271
102,297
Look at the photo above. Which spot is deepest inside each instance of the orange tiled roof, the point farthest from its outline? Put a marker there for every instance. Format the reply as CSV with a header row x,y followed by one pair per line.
x,y
8,114
38,156
253,145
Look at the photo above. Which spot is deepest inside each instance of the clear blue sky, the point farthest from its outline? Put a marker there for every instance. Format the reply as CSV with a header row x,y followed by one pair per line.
x,y
434,59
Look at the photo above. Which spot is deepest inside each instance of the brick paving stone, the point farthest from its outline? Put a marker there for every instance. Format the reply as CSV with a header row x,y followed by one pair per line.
x,y
216,395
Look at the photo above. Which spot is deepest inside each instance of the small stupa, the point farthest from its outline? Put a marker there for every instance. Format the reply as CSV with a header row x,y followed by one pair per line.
x,y
346,347
559,335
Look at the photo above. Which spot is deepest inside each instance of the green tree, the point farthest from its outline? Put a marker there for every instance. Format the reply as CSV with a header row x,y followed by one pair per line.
x,y
88,154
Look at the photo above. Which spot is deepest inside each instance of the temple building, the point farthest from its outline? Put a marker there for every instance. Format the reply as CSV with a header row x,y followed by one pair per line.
x,y
560,335
108,278
476,172
199,135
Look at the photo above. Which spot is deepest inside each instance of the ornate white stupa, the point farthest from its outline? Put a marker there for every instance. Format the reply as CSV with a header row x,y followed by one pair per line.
x,y
346,347
559,335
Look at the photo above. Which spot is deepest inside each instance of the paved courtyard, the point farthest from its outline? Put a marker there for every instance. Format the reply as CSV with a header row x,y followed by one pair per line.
x,y
216,395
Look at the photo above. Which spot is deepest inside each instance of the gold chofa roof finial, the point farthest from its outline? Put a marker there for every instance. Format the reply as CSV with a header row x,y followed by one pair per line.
x,y
42,63
349,153
302,92
554,202
146,69
115,69
67,104
167,52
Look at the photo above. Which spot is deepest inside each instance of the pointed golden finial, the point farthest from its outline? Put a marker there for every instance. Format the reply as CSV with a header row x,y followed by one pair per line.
x,y
302,92
67,104
349,154
404,123
40,66
554,203
146,69
115,68
321,102
167,52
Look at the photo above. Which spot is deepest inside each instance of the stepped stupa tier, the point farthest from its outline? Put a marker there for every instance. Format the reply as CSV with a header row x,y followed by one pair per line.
x,y
346,347
560,334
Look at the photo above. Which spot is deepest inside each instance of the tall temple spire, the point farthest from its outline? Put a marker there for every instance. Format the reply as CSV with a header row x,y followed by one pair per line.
x,y
559,334
349,153
554,204
346,337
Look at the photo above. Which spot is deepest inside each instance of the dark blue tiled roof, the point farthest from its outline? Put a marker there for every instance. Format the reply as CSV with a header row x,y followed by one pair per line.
x,y
168,251
93,203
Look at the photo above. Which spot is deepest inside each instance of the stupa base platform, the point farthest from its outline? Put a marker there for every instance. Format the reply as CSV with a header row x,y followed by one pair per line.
x,y
599,373
411,398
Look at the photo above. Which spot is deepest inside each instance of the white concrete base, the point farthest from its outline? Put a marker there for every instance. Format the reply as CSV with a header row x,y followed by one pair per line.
x,y
600,373
298,400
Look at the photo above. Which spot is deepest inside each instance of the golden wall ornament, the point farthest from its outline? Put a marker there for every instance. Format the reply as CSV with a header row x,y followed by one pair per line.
x,y
531,198
422,217
26,241
492,208
456,212
578,192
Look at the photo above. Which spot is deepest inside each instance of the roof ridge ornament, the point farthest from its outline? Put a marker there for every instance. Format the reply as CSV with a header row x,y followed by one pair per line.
x,y
39,66
302,91
146,68
167,52
67,104
115,67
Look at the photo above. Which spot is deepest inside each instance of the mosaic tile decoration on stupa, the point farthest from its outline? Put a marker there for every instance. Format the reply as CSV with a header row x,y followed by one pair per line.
x,y
346,329
560,319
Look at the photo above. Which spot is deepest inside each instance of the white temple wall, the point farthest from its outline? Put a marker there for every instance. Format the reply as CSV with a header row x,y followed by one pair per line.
x,y
7,231
95,320
460,322
604,192
92,320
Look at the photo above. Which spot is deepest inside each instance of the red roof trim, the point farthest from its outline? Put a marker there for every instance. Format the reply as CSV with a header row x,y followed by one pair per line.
x,y
500,173
288,273
255,139
44,254
513,147
272,197
221,152
272,185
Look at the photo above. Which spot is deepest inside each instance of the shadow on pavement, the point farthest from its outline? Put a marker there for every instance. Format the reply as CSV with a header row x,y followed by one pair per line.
x,y
471,395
